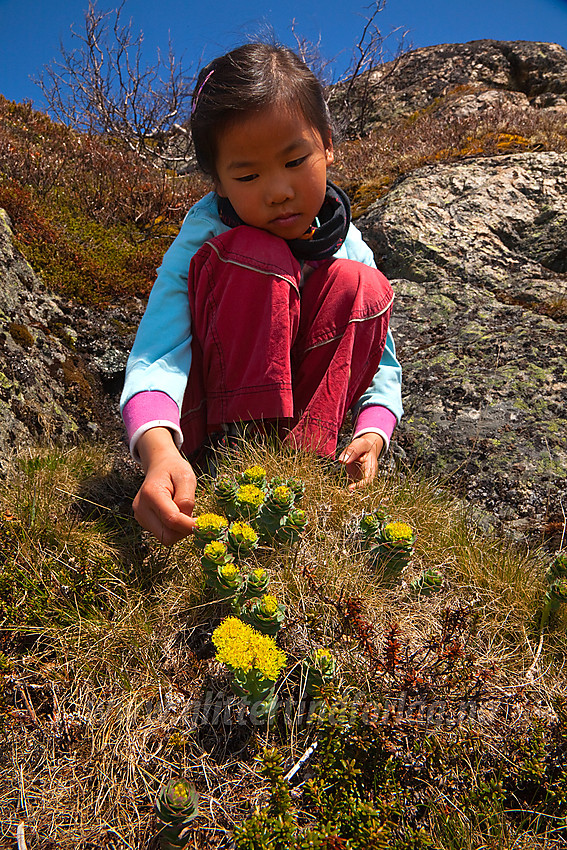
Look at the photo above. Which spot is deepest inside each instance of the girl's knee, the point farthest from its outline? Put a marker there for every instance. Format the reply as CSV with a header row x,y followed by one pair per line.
x,y
358,282
251,246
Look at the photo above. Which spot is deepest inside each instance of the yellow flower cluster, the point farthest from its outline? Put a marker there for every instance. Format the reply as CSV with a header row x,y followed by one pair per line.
x,y
282,493
269,605
243,531
251,495
254,474
211,522
180,791
177,741
229,571
398,531
259,573
243,648
215,549
322,654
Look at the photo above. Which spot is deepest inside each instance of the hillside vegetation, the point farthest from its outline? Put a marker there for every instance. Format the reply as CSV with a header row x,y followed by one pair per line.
x,y
91,217
420,704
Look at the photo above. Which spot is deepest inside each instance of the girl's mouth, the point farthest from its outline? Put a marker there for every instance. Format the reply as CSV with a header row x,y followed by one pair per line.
x,y
287,219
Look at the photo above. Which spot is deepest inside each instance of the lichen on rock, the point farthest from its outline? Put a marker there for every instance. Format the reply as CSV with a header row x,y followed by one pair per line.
x,y
476,251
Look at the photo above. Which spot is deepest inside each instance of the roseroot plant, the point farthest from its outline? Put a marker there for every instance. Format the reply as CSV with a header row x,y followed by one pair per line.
x,y
555,597
215,554
317,669
219,570
248,500
269,506
237,505
228,581
394,547
371,525
265,614
558,567
298,488
277,505
295,484
256,583
255,475
427,583
281,499
292,527
225,492
255,662
241,538
176,805
209,527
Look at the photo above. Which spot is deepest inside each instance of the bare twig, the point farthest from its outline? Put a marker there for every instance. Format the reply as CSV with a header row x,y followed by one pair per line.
x,y
103,86
357,89
297,766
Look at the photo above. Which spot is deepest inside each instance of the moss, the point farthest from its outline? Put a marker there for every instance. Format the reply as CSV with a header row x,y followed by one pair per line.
x,y
367,193
21,335
92,220
78,257
5,383
555,308
77,381
64,333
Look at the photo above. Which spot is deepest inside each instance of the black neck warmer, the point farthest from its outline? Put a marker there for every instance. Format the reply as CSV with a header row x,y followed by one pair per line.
x,y
324,237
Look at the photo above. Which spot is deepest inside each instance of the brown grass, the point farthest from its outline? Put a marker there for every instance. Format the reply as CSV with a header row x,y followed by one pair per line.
x,y
100,696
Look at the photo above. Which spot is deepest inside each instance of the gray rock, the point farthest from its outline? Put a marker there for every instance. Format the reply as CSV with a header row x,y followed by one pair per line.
x,y
487,221
536,71
61,365
477,251
31,399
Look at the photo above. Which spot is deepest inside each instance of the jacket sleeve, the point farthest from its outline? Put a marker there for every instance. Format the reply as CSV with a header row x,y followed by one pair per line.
x,y
385,389
159,363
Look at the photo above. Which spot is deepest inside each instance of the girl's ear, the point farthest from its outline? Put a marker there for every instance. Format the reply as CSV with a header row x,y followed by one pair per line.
x,y
329,154
217,185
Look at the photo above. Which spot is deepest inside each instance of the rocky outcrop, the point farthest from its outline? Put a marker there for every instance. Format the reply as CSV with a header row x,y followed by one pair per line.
x,y
477,252
61,365
521,72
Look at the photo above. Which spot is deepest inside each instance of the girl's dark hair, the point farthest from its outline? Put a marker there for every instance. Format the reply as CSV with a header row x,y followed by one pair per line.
x,y
245,81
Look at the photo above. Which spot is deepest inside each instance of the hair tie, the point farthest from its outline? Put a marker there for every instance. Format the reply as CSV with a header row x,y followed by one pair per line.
x,y
201,87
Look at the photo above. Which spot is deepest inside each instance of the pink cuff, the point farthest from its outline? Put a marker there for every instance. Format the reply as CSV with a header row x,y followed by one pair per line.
x,y
151,409
376,418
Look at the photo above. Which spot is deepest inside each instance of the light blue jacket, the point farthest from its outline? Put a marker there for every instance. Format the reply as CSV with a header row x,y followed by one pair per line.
x,y
161,356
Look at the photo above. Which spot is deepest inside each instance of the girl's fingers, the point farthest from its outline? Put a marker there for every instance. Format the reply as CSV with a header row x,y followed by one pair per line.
x,y
157,512
168,528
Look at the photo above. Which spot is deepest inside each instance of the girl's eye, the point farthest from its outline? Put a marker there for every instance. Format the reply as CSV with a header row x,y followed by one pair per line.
x,y
247,178
294,163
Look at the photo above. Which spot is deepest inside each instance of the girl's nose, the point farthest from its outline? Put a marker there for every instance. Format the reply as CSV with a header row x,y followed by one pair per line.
x,y
279,191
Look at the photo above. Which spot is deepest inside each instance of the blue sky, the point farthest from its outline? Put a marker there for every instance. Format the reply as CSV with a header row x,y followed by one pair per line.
x,y
31,30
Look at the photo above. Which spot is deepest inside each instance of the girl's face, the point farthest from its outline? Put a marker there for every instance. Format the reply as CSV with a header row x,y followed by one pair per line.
x,y
273,169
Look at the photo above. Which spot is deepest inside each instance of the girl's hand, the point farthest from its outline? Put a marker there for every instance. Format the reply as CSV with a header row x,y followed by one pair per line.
x,y
361,458
165,501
